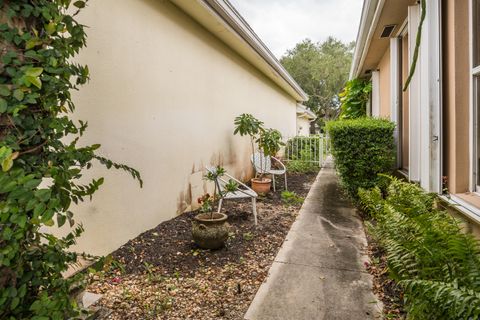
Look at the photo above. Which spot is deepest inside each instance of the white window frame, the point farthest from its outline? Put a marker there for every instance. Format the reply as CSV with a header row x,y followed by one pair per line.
x,y
474,106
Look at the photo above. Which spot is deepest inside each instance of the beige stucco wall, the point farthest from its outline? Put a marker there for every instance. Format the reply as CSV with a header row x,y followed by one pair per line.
x,y
303,126
456,95
384,67
162,98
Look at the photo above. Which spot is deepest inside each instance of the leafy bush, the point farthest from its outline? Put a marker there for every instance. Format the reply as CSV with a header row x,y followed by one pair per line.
x,y
39,142
363,148
437,264
291,198
301,166
354,99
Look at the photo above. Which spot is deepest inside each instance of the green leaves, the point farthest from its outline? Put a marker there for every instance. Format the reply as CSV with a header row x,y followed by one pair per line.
x,y
18,94
321,69
436,263
33,72
6,158
246,124
40,158
363,148
3,105
32,77
79,4
270,142
354,99
4,91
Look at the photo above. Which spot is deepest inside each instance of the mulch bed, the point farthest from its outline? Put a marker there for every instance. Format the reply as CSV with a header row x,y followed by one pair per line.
x,y
161,274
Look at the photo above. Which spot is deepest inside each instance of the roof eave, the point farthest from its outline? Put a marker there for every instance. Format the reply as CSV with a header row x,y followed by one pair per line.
x,y
371,12
235,32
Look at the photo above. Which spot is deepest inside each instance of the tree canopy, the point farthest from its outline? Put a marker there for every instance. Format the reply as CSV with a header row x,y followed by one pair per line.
x,y
321,69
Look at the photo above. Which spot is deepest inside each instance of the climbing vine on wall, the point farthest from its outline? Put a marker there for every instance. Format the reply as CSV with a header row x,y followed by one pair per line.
x,y
418,41
40,156
354,98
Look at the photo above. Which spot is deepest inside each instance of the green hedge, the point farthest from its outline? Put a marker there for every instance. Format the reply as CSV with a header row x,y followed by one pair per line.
x,y
428,254
362,148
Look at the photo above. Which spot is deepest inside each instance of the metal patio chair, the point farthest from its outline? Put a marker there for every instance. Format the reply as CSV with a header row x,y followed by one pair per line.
x,y
263,165
243,191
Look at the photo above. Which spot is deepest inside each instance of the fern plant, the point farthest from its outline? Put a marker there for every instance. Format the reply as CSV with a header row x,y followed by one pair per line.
x,y
436,263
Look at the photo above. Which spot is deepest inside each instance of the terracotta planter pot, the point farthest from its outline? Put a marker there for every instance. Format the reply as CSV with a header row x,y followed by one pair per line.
x,y
261,186
210,233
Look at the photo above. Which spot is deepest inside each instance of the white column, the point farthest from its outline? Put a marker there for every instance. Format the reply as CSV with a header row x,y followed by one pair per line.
x,y
434,23
396,92
414,97
430,100
375,93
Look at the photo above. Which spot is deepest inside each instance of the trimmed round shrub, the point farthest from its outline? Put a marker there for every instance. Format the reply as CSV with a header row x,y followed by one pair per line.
x,y
363,148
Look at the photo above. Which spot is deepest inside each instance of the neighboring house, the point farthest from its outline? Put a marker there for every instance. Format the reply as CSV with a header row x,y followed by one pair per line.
x,y
437,117
167,80
304,119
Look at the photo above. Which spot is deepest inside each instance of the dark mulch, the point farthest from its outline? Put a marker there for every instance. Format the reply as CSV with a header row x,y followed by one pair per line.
x,y
386,289
165,276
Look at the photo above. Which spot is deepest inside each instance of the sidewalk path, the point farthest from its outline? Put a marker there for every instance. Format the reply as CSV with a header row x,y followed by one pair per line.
x,y
319,272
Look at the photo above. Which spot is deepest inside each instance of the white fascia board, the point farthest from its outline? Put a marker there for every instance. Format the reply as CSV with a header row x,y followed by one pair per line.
x,y
371,12
224,21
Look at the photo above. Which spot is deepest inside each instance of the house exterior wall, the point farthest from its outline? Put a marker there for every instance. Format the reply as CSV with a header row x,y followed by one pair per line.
x,y
162,98
303,126
435,117
456,95
384,67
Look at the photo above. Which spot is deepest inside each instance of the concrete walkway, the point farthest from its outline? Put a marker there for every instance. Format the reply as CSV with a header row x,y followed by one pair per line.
x,y
319,272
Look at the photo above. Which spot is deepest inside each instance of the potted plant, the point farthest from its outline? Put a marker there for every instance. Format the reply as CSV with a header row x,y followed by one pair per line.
x,y
269,142
246,124
210,228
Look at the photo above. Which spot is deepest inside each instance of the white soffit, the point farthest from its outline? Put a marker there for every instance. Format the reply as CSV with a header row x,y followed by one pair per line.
x,y
370,12
221,19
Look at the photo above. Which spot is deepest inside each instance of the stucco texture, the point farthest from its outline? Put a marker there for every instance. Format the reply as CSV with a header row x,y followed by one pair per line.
x,y
385,101
303,126
162,98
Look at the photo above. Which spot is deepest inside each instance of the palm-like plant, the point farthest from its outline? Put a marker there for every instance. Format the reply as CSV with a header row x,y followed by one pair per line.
x,y
270,142
208,202
247,125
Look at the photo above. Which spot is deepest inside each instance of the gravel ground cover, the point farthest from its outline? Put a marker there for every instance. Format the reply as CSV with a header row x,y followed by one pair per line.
x,y
161,274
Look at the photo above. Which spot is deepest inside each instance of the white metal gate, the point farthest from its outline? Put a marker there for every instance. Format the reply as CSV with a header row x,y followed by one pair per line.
x,y
309,149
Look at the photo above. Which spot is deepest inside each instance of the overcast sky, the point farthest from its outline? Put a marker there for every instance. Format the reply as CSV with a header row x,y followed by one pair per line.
x,y
283,23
